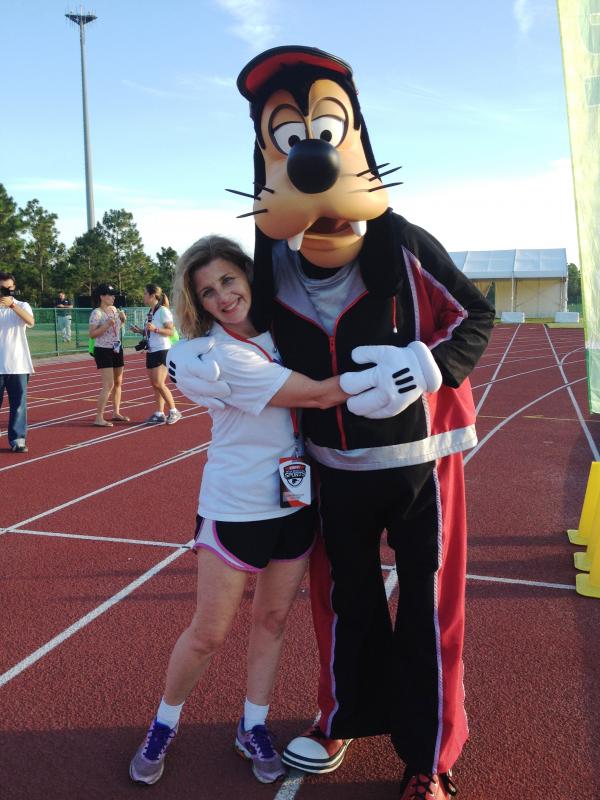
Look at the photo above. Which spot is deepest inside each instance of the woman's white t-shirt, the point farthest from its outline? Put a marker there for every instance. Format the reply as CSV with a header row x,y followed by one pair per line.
x,y
156,341
241,478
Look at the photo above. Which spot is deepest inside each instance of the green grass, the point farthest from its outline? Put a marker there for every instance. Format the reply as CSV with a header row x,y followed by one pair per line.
x,y
45,338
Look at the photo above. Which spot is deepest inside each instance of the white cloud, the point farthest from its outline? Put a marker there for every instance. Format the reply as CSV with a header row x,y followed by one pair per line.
x,y
531,211
528,12
524,15
151,90
168,224
253,20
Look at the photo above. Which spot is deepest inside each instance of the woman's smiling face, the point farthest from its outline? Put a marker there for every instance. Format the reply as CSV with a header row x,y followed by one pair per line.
x,y
224,292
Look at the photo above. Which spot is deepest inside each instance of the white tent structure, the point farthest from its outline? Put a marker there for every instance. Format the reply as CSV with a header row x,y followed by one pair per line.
x,y
531,281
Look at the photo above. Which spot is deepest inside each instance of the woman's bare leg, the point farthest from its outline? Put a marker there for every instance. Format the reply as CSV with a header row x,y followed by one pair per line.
x,y
107,387
220,590
118,385
276,590
162,393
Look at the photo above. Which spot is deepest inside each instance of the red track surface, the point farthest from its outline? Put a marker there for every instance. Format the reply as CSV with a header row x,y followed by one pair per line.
x,y
75,712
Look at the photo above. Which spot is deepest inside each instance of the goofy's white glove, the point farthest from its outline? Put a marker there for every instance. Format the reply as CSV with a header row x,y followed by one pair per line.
x,y
399,377
196,373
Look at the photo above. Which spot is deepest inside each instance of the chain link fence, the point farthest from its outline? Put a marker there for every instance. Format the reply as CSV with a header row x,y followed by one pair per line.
x,y
62,332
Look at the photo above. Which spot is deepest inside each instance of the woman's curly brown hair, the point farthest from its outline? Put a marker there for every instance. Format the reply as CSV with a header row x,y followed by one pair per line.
x,y
191,319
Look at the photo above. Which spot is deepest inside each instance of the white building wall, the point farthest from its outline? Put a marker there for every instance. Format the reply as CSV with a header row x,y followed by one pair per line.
x,y
536,298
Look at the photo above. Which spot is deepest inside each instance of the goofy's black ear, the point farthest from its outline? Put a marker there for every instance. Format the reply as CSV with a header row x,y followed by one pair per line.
x,y
263,286
381,257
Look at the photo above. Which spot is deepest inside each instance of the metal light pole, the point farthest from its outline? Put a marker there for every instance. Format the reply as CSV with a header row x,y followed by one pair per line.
x,y
81,20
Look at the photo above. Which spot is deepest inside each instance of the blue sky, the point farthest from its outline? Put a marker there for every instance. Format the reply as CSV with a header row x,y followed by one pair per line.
x,y
467,95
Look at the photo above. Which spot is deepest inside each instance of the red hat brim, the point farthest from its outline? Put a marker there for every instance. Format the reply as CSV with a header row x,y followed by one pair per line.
x,y
258,71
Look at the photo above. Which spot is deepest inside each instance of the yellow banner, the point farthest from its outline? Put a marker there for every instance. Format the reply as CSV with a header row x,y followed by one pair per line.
x,y
580,38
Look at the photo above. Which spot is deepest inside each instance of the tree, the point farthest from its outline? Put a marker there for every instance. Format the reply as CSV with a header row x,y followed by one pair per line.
x,y
131,266
42,251
164,268
11,225
89,263
573,285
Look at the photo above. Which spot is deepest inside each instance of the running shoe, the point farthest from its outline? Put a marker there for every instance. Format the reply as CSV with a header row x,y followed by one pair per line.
x,y
19,448
174,416
256,745
148,763
156,419
315,752
423,786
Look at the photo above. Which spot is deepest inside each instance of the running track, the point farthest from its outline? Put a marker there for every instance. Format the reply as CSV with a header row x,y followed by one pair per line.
x,y
97,582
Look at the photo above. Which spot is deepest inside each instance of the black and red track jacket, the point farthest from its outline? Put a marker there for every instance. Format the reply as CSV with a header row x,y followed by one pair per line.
x,y
408,288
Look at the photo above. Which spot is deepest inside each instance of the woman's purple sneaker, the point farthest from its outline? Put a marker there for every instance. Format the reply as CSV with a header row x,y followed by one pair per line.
x,y
257,746
148,763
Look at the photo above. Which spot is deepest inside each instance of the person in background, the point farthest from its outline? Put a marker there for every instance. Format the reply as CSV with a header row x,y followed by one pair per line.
x,y
63,315
15,360
105,326
157,332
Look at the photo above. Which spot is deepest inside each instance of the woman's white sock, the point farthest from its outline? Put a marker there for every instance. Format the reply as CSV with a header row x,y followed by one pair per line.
x,y
254,715
168,715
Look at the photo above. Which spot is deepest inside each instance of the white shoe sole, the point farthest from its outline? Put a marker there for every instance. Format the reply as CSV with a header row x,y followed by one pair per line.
x,y
241,751
146,781
315,765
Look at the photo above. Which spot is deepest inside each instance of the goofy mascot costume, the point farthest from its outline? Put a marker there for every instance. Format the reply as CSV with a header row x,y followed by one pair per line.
x,y
342,281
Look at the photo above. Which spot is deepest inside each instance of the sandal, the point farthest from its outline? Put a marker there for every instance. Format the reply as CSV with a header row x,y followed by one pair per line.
x,y
104,424
120,418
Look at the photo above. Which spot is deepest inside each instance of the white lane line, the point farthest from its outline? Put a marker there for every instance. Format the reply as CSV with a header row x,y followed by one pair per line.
x,y
160,465
582,422
520,375
291,785
494,579
110,437
85,620
293,781
519,582
498,368
516,413
86,537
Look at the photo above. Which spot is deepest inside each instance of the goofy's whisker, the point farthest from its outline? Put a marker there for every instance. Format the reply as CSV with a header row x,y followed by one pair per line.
x,y
260,211
243,194
372,169
385,186
387,172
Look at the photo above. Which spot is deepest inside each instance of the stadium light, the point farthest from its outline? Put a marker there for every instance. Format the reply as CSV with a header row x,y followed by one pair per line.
x,y
81,20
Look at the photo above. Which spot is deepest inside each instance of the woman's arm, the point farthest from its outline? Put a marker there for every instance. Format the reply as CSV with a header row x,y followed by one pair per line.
x,y
302,392
98,328
165,330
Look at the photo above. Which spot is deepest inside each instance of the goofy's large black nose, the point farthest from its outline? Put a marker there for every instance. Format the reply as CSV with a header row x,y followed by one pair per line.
x,y
313,166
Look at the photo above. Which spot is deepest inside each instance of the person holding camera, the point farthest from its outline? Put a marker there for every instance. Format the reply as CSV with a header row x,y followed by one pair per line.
x,y
15,360
157,332
105,326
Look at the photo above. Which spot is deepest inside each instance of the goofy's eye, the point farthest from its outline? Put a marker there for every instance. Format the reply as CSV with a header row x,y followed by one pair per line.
x,y
329,128
288,134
